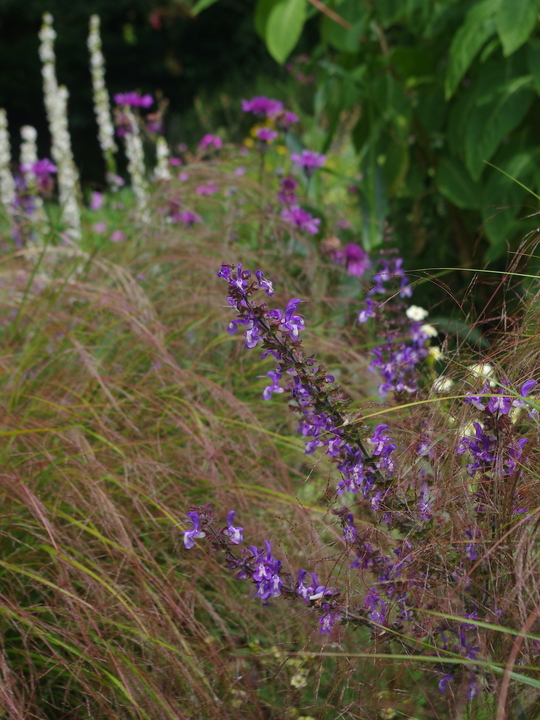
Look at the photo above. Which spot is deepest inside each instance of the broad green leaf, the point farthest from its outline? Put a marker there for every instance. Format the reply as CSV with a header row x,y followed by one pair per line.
x,y
389,11
201,5
432,109
454,182
533,57
394,165
416,66
373,202
339,37
284,27
516,20
262,13
393,103
489,123
479,25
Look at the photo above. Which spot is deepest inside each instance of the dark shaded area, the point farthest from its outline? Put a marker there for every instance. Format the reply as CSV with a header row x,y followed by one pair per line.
x,y
147,46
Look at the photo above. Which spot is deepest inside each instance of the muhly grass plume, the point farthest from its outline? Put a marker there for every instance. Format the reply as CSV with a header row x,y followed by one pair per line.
x,y
122,406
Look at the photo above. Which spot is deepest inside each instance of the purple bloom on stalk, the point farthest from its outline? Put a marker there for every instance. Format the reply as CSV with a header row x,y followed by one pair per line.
x,y
292,323
99,227
187,217
262,106
235,533
368,312
208,140
96,201
133,99
501,403
443,682
315,591
265,284
266,573
349,529
327,622
275,376
308,161
355,259
191,535
286,194
266,135
117,236
526,388
41,168
301,219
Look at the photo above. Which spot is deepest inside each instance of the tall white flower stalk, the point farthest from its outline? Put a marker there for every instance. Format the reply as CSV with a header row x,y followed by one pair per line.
x,y
162,171
136,167
102,105
56,98
28,159
7,184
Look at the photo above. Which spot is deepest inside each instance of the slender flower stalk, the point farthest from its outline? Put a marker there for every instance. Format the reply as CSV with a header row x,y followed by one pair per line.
x,y
7,184
162,171
56,98
136,168
102,106
29,162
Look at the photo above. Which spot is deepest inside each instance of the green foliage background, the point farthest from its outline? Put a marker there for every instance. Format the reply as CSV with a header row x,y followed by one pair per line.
x,y
444,87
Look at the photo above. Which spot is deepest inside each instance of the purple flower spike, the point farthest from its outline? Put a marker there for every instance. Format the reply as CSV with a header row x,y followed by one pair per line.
x,y
235,533
191,535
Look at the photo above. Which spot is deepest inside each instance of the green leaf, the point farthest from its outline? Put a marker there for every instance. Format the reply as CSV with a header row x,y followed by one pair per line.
x,y
393,103
339,37
394,165
454,182
489,123
533,56
262,13
476,30
516,20
284,27
201,5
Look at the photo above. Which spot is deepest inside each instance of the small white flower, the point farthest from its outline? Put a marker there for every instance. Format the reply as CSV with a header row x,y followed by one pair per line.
x,y
435,353
429,330
442,384
416,314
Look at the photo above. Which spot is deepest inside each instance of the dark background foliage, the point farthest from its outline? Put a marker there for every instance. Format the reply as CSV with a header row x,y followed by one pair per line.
x,y
148,46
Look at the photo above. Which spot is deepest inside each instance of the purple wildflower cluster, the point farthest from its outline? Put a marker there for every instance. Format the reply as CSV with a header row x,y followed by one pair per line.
x,y
262,567
493,443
